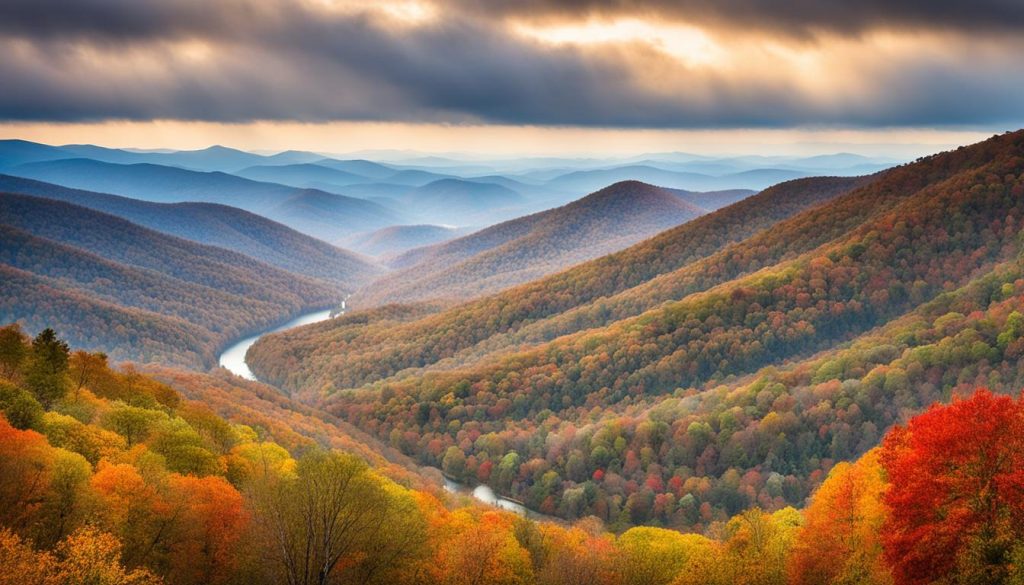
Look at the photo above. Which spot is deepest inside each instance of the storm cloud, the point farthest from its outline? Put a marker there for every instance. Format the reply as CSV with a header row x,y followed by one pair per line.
x,y
461,61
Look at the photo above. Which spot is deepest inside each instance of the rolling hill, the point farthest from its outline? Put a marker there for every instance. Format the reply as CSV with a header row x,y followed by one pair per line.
x,y
747,368
461,202
529,247
317,213
361,167
136,293
561,303
219,225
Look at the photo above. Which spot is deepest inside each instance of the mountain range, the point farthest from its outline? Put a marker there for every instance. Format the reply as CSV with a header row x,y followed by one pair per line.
x,y
315,212
762,351
219,225
529,247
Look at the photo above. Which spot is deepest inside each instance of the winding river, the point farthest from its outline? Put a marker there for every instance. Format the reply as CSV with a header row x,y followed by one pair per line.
x,y
486,495
233,359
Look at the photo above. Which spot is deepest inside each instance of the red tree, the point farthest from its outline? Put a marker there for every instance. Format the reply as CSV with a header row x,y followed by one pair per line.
x,y
956,499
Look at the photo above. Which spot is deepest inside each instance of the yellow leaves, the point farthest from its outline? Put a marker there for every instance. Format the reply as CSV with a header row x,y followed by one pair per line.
x,y
87,557
758,544
656,556
20,565
250,460
839,542
90,441
91,557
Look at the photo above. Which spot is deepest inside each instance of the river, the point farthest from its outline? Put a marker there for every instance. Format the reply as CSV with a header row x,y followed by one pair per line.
x,y
233,357
486,495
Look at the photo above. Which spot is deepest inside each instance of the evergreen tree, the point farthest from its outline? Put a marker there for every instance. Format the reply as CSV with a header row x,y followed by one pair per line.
x,y
47,375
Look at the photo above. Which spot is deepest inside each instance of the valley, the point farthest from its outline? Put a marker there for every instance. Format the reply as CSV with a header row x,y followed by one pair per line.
x,y
451,292
637,356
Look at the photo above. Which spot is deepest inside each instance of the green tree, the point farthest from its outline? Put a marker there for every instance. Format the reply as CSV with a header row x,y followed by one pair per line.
x,y
12,350
454,462
22,410
47,375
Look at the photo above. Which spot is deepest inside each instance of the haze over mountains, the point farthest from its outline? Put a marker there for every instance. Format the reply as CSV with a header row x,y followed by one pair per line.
x,y
423,229
218,225
529,247
319,213
135,292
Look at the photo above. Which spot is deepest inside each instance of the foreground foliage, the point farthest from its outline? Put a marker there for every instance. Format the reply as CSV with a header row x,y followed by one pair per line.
x,y
118,480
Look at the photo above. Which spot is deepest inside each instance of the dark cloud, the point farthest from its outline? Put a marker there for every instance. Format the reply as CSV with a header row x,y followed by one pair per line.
x,y
240,60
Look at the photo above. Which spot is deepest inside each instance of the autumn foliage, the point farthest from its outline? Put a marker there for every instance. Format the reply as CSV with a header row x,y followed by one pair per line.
x,y
956,500
165,492
693,376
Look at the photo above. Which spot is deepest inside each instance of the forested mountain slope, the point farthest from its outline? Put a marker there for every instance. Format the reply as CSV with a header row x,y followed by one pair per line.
x,y
581,424
218,225
134,292
529,247
335,351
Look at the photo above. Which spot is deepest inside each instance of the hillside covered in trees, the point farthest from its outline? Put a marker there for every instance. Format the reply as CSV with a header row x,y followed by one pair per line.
x,y
683,390
134,292
218,225
529,247
110,476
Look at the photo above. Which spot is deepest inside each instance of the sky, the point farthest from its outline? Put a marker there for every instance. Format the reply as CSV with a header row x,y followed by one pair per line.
x,y
514,77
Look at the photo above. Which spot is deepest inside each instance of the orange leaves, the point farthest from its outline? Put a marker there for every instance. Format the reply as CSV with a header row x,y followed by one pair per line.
x,y
471,549
955,504
25,465
190,524
839,542
210,516
19,564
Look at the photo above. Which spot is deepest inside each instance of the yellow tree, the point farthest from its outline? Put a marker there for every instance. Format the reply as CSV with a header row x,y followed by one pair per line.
x,y
91,557
319,525
840,540
757,546
655,556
